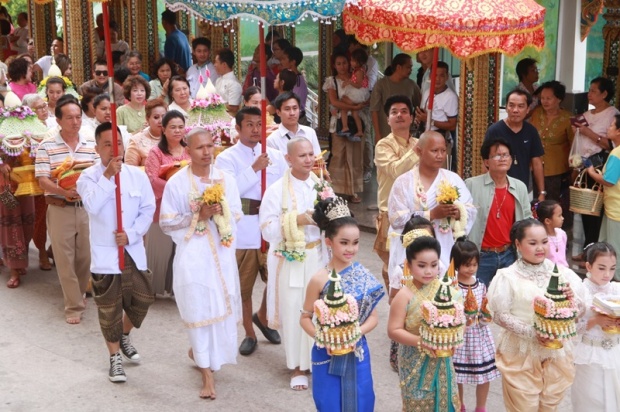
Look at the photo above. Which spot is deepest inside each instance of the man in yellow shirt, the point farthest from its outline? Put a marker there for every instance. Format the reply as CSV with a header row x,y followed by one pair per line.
x,y
394,155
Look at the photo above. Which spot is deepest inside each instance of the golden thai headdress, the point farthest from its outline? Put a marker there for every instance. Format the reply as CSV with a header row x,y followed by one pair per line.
x,y
408,238
337,209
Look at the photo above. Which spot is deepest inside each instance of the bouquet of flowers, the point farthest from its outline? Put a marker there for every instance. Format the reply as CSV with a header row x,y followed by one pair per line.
x,y
211,196
448,194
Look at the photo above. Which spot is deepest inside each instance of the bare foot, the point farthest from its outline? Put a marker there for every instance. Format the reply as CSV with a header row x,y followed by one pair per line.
x,y
208,384
74,320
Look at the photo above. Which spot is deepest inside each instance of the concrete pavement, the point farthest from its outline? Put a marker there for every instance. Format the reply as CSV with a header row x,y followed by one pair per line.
x,y
48,365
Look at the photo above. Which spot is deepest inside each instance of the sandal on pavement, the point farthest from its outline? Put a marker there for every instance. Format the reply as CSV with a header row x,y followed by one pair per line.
x,y
299,381
355,199
13,283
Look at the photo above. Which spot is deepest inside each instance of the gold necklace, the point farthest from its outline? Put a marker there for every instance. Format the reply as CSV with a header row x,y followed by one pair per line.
x,y
499,208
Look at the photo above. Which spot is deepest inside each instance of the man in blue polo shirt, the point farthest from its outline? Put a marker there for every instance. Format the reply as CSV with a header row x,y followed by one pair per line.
x,y
525,141
176,47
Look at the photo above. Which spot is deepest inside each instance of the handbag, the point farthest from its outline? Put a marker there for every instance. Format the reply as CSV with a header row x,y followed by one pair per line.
x,y
350,120
8,199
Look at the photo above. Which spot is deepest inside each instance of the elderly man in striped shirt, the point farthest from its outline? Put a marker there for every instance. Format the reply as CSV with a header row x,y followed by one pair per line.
x,y
67,221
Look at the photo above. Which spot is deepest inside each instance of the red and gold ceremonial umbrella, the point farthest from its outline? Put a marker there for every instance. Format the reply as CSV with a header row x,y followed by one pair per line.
x,y
467,28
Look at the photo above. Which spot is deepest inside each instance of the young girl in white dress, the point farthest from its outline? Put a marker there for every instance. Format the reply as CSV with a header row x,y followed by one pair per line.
x,y
356,91
597,357
549,213
474,362
534,376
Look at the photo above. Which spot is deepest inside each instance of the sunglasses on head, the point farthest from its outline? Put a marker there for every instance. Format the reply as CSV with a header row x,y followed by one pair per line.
x,y
101,72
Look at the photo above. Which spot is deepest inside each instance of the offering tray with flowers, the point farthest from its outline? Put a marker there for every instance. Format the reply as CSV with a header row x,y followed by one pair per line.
x,y
209,112
337,319
443,321
608,305
555,313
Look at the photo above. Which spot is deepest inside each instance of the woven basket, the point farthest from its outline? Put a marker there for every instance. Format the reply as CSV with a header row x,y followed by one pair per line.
x,y
583,200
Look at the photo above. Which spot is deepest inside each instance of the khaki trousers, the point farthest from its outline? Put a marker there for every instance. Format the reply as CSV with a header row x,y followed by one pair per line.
x,y
380,247
68,230
530,384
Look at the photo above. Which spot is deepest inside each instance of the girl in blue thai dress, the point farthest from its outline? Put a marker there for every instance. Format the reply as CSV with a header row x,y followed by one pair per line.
x,y
427,383
342,383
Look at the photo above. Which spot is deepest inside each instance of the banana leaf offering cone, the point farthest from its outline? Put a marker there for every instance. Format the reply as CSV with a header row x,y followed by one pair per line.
x,y
555,313
443,320
337,319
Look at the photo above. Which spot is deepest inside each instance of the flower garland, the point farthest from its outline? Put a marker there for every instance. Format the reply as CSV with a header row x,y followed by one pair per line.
x,y
293,245
21,112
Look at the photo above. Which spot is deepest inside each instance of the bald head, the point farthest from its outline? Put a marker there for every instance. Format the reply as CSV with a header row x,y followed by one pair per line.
x,y
195,132
429,136
293,145
431,149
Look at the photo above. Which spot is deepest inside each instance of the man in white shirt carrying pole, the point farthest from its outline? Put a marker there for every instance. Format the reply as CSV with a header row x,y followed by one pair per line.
x,y
122,297
245,161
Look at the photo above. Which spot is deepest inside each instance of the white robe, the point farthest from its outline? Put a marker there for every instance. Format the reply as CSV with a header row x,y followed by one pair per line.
x,y
403,202
597,370
206,279
286,285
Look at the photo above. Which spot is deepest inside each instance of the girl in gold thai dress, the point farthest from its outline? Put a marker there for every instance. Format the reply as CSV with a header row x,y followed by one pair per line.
x,y
428,383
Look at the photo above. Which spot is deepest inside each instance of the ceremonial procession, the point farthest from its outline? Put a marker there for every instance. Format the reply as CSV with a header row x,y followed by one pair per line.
x,y
313,205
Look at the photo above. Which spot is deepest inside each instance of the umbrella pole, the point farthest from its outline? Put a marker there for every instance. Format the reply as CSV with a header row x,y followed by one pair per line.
x,y
431,91
115,137
263,113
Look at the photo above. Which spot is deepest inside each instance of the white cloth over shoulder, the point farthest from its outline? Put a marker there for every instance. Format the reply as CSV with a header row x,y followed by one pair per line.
x,y
206,278
404,201
287,281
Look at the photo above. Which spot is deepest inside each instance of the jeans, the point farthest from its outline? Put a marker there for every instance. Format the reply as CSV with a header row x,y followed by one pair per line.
x,y
490,262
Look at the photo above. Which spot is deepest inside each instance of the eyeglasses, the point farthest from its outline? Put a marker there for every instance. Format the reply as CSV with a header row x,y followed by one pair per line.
x,y
41,107
501,156
101,72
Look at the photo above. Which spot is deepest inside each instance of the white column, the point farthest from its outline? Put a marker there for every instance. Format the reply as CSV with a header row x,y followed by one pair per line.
x,y
571,51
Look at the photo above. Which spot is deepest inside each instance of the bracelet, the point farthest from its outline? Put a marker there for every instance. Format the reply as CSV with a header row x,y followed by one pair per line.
x,y
306,312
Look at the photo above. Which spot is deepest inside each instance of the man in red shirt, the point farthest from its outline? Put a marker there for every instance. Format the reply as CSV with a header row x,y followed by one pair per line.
x,y
501,201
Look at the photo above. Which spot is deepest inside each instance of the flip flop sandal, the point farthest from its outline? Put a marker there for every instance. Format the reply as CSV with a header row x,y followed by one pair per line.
x,y
13,283
299,380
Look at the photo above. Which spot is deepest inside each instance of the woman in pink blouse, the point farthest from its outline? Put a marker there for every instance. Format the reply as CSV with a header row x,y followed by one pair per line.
x,y
171,149
20,73
142,142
